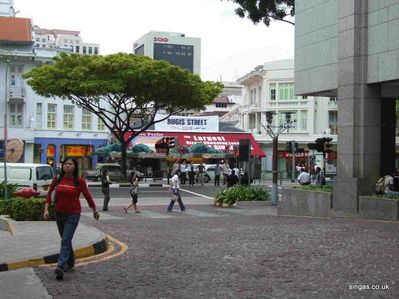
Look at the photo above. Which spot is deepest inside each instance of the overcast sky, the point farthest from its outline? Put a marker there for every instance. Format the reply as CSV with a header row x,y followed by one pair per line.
x,y
230,46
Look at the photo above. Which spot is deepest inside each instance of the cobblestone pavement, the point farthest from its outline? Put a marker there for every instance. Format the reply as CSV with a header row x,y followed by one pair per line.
x,y
238,255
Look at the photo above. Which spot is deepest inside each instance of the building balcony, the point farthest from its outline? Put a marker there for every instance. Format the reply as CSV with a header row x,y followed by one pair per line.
x,y
332,105
294,104
250,108
16,92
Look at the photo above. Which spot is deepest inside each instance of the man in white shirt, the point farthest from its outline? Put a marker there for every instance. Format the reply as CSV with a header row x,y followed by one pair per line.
x,y
175,187
304,177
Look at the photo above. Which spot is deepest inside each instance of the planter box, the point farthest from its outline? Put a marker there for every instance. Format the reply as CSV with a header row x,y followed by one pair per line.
x,y
378,209
305,203
256,203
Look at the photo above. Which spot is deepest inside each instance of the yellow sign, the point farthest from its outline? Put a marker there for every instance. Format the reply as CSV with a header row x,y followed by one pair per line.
x,y
75,150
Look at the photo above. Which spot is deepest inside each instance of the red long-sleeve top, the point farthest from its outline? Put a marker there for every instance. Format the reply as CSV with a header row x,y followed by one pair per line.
x,y
68,195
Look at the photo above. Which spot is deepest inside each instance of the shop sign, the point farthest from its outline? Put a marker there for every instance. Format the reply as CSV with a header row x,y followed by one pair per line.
x,y
187,123
288,155
75,150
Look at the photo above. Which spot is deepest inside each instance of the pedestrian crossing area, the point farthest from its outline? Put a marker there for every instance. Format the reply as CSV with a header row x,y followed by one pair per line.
x,y
189,212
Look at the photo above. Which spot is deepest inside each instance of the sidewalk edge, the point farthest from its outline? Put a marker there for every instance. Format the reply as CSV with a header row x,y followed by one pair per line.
x,y
6,222
90,250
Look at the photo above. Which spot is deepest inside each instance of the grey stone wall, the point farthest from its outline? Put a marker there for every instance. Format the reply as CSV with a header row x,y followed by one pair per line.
x,y
316,33
305,203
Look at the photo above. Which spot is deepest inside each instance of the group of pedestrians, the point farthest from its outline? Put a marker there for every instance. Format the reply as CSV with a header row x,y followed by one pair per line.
x,y
304,177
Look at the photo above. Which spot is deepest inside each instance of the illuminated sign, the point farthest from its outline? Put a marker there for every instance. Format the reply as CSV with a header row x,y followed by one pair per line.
x,y
160,39
75,150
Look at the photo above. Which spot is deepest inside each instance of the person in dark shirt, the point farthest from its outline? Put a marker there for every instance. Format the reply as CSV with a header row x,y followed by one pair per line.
x,y
232,179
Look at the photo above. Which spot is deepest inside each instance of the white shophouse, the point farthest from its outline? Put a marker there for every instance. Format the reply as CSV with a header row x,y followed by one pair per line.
x,y
270,87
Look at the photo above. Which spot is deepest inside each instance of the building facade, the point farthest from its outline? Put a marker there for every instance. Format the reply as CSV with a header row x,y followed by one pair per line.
x,y
63,39
50,129
175,48
7,8
350,50
270,87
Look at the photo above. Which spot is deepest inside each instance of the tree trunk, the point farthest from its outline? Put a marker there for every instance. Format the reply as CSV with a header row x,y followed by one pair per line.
x,y
123,157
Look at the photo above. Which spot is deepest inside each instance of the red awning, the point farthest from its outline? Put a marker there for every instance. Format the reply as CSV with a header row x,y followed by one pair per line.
x,y
217,140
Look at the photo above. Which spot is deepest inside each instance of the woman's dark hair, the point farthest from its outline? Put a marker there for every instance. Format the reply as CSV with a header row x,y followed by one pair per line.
x,y
75,172
104,174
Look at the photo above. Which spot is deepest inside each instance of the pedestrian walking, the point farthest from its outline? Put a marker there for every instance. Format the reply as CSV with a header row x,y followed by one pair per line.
x,y
226,172
191,174
183,170
232,179
175,188
105,182
68,186
134,192
218,172
201,173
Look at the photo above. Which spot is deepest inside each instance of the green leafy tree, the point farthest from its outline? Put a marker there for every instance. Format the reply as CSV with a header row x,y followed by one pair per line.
x,y
134,88
266,10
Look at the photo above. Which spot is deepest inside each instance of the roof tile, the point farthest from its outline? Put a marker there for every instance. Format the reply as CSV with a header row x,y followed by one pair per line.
x,y
15,29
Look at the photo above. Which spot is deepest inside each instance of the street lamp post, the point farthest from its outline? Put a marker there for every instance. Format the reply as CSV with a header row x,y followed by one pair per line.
x,y
274,131
5,131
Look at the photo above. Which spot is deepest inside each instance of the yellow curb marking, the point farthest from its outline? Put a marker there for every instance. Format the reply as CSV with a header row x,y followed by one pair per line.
x,y
11,228
123,249
24,264
111,248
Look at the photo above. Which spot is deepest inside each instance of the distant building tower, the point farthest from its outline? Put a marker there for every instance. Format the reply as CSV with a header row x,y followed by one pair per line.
x,y
7,8
175,48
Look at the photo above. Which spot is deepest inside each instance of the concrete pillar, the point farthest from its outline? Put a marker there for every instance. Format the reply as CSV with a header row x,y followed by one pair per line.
x,y
388,130
359,111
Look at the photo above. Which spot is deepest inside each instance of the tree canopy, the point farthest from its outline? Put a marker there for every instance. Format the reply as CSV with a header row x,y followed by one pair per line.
x,y
265,10
125,91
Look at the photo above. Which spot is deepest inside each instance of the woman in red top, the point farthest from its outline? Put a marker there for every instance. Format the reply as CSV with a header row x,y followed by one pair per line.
x,y
68,186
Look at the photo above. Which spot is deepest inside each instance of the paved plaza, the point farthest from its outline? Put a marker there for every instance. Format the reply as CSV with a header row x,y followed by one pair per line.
x,y
246,252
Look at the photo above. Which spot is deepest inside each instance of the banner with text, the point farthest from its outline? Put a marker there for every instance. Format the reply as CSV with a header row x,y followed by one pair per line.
x,y
188,123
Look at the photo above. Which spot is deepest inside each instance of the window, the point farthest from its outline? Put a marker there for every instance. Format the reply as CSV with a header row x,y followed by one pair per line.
x,y
86,119
77,49
43,40
221,105
285,91
100,126
16,115
39,115
272,90
304,97
252,96
90,50
84,49
68,117
304,121
95,51
37,39
332,122
51,116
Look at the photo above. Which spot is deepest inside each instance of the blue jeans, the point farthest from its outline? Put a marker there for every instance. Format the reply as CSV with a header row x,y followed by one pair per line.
x,y
67,224
179,200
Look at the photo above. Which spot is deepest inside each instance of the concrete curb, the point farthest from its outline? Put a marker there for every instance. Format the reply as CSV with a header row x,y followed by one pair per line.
x,y
5,224
90,250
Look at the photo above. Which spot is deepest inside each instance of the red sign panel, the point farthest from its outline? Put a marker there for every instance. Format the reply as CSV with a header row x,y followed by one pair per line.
x,y
218,141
